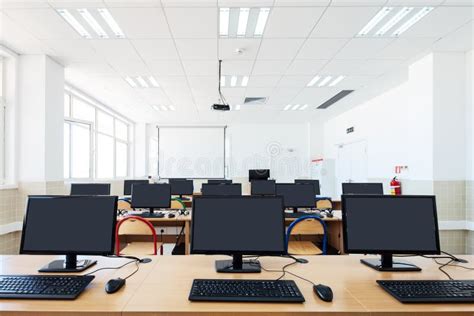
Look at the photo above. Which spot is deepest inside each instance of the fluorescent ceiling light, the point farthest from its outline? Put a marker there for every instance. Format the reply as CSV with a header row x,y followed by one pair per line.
x,y
111,22
237,107
155,107
287,107
336,81
224,21
243,19
245,81
417,17
261,21
325,80
222,81
142,82
295,107
172,108
164,108
131,82
374,21
153,82
313,81
303,107
74,23
394,20
233,81
93,23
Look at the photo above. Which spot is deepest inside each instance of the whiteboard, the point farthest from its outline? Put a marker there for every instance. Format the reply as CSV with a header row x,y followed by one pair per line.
x,y
193,152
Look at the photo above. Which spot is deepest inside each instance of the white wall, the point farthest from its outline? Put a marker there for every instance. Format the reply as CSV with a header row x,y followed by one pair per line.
x,y
397,125
469,115
316,139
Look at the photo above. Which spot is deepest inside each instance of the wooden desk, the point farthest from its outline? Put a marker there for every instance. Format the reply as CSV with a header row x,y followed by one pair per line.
x,y
162,288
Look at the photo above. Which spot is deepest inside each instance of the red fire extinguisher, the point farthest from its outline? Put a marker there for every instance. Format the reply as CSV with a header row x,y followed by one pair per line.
x,y
395,187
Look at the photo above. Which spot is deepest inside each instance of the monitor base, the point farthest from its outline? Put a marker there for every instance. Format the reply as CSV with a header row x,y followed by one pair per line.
x,y
226,266
66,266
399,266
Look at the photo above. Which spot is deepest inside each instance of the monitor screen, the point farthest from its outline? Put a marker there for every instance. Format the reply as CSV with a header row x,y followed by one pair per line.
x,y
314,183
259,174
219,181
128,184
362,188
262,187
82,225
90,188
296,195
181,187
380,224
151,196
222,189
221,225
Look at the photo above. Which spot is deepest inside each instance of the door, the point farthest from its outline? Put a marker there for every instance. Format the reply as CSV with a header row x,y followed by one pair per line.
x,y
351,164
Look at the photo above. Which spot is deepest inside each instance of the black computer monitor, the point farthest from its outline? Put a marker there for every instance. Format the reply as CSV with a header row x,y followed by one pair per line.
x,y
128,184
71,226
362,188
219,181
221,225
90,188
262,187
259,174
221,189
314,183
296,195
151,196
387,225
181,187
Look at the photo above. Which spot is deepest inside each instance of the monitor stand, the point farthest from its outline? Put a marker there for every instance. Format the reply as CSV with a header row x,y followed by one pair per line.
x,y
69,265
385,263
237,265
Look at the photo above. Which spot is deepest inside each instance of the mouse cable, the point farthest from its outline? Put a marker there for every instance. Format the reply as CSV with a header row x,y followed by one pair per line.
x,y
285,271
134,260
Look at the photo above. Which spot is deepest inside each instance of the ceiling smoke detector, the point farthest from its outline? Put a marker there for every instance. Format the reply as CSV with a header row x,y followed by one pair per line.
x,y
238,51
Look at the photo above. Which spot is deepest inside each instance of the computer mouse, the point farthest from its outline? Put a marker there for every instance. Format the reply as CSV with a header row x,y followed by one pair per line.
x,y
324,292
114,285
329,215
171,215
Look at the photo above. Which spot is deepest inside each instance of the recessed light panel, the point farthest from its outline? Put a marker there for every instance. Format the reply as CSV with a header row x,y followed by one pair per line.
x,y
242,22
142,82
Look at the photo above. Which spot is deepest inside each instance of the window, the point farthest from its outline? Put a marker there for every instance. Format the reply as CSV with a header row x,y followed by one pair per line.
x,y
96,143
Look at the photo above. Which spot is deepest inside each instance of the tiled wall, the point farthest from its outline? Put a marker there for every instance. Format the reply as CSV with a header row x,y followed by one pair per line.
x,y
470,243
8,206
470,200
453,241
10,243
450,200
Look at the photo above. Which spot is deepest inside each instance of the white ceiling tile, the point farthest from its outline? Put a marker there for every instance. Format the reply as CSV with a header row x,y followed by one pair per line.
x,y
343,21
203,86
360,68
315,96
294,81
357,2
173,82
130,67
94,69
237,67
306,67
197,48
259,92
153,49
440,22
304,3
76,4
363,48
461,40
19,4
458,2
141,22
201,67
355,82
233,92
272,49
188,3
73,49
405,48
132,3
165,67
42,23
244,3
119,49
287,22
263,81
192,22
321,48
227,48
414,2
270,67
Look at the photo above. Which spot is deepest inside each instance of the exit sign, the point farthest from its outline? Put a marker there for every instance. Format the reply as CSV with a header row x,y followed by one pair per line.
x,y
350,130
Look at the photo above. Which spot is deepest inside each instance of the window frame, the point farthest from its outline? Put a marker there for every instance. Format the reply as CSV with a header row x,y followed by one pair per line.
x,y
95,132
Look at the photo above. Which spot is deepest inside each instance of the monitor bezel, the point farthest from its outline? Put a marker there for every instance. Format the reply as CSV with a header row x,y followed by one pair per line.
x,y
295,206
204,185
181,180
133,181
363,183
380,251
91,183
219,181
259,194
68,252
310,181
148,206
233,252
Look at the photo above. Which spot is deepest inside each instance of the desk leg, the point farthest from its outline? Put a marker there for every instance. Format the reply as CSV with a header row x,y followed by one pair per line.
x,y
186,238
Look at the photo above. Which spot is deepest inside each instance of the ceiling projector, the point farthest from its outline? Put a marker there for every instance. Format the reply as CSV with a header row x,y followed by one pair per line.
x,y
221,107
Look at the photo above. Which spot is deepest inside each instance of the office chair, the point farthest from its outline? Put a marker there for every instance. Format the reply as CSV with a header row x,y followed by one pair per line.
x,y
124,205
324,204
177,204
306,225
136,226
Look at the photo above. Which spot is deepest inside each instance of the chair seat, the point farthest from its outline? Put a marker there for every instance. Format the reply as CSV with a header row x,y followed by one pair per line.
x,y
139,248
303,248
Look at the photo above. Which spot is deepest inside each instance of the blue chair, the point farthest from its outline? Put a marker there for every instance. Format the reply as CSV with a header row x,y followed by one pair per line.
x,y
306,225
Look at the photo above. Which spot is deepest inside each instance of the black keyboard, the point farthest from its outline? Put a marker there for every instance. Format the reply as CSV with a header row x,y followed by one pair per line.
x,y
154,215
245,291
437,291
58,287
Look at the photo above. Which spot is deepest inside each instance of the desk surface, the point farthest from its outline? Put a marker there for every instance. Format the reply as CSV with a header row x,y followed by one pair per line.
x,y
162,287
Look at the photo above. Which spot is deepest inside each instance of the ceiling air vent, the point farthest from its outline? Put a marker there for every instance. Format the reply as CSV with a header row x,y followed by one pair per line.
x,y
335,98
255,100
